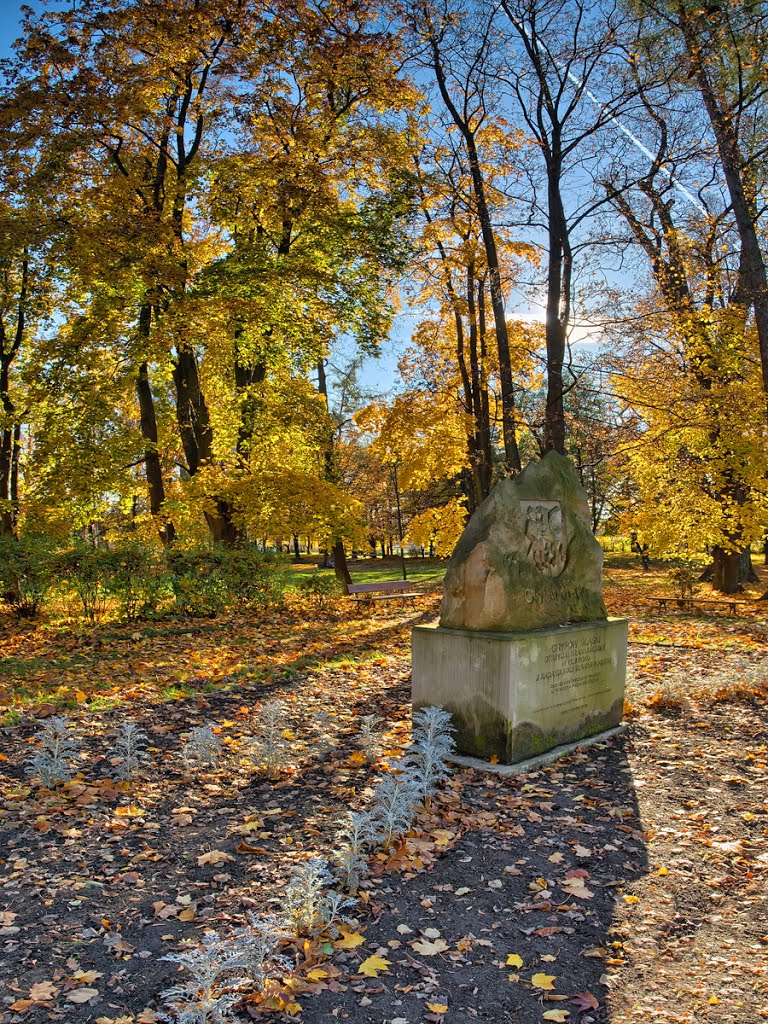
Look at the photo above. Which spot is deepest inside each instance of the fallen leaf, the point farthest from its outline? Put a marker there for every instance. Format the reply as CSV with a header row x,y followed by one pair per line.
x,y
43,991
82,995
576,887
430,948
513,960
86,977
374,966
556,1015
631,899
543,981
213,857
349,940
316,974
437,1007
585,1001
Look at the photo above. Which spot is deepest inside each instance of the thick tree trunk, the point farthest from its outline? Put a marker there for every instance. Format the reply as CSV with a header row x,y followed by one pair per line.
x,y
152,466
725,571
197,441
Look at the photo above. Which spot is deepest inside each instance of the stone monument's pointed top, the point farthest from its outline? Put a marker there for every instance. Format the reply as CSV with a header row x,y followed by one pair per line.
x,y
527,558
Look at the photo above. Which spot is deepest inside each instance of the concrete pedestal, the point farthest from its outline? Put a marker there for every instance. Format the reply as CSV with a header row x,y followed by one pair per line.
x,y
516,695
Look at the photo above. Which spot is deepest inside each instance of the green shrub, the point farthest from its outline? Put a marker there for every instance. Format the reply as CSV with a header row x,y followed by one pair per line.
x,y
320,589
205,580
26,573
135,580
255,578
87,570
198,582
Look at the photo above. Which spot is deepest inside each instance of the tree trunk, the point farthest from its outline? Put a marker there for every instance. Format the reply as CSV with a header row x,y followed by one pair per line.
x,y
725,571
197,441
558,306
148,425
340,567
725,126
508,413
747,572
296,548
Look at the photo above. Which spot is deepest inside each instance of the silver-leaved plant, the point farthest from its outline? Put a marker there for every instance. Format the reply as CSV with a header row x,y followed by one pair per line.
x,y
53,762
220,969
203,746
131,755
432,744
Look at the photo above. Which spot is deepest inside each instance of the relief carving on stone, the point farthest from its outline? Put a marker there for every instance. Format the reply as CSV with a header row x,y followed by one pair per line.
x,y
545,535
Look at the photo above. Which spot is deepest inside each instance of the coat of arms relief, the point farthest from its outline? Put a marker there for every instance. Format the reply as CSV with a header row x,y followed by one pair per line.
x,y
547,544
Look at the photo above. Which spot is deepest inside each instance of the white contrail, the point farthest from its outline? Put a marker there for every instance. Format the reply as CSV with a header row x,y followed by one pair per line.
x,y
628,132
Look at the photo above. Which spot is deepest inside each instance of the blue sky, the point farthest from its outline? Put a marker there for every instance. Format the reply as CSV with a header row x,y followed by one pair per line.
x,y
9,25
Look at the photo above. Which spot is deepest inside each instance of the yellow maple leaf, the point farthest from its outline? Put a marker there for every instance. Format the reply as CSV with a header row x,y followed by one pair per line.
x,y
316,974
374,966
437,1007
349,940
557,1015
631,899
543,981
513,960
358,757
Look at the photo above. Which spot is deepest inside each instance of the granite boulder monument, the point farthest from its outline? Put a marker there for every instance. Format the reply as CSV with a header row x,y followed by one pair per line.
x,y
524,655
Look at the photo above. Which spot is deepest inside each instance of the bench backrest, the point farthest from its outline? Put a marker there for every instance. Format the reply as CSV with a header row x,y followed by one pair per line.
x,y
372,588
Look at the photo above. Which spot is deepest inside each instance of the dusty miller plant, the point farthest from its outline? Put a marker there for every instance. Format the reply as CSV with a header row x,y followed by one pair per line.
x,y
432,744
368,739
358,833
203,746
394,802
130,744
270,748
219,967
53,762
324,742
311,905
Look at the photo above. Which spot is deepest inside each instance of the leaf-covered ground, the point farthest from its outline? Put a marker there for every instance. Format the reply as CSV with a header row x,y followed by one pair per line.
x,y
624,883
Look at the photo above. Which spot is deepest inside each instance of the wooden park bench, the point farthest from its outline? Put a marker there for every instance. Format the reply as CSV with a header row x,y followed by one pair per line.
x,y
688,603
389,590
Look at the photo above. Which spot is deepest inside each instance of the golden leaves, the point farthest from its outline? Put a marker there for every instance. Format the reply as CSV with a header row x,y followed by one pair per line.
x,y
373,966
543,981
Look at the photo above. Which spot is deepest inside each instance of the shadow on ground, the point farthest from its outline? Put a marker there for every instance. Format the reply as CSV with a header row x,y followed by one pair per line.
x,y
538,879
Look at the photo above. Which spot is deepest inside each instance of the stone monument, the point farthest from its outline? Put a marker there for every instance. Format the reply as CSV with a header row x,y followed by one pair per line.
x,y
524,655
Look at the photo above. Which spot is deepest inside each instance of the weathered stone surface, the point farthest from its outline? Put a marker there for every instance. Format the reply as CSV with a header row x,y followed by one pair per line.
x,y
515,695
527,558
